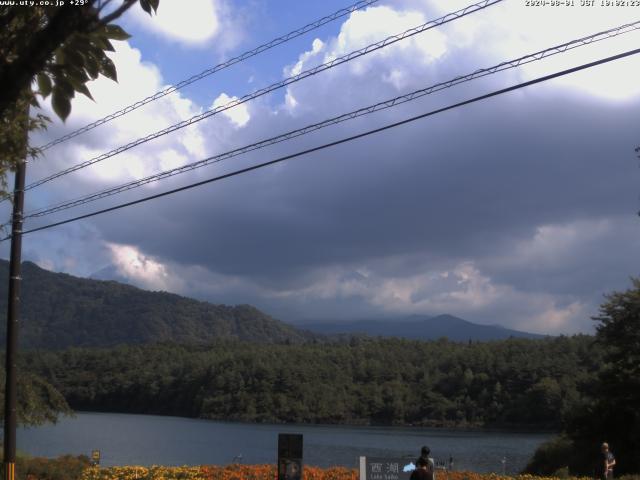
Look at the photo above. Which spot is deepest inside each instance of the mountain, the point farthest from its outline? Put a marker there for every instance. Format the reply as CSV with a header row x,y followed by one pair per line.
x,y
420,328
59,310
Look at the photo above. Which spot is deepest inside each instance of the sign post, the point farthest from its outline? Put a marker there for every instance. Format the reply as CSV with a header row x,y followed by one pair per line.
x,y
289,456
376,468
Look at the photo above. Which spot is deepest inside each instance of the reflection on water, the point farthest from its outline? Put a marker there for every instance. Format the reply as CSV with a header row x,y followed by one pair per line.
x,y
148,440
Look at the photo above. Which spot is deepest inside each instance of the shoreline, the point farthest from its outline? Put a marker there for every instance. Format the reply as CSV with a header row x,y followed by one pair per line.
x,y
524,429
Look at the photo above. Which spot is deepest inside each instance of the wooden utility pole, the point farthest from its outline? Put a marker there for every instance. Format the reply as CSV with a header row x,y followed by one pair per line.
x,y
13,315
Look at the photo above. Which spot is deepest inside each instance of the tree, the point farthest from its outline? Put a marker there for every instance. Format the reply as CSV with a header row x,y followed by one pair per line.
x,y
52,50
611,414
619,382
49,50
38,401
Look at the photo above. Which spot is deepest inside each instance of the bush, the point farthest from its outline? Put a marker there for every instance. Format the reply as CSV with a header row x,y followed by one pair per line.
x,y
561,473
67,467
552,458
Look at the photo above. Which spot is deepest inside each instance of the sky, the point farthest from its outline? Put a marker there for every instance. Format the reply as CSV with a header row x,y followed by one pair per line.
x,y
520,210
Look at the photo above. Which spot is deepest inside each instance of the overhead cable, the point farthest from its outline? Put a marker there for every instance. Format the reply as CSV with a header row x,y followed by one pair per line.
x,y
336,142
292,79
210,71
338,119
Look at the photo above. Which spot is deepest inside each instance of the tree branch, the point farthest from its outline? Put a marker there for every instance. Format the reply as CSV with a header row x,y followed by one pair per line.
x,y
7,17
102,5
17,75
126,5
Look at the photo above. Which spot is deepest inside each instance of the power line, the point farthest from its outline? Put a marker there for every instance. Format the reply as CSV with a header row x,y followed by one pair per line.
x,y
613,32
337,142
209,71
295,78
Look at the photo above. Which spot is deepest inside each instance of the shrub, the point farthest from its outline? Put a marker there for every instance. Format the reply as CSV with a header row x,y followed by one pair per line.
x,y
552,457
67,467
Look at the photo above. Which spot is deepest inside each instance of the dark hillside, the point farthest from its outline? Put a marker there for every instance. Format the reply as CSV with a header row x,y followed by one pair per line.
x,y
60,310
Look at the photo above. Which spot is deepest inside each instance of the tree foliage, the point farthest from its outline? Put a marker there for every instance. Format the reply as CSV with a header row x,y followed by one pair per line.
x,y
615,416
38,401
52,51
517,382
613,413
60,310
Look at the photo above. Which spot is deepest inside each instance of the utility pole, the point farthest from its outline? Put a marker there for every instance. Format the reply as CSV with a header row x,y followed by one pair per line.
x,y
13,315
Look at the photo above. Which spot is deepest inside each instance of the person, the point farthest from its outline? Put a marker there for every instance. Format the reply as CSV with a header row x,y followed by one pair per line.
x,y
609,459
605,463
430,467
422,470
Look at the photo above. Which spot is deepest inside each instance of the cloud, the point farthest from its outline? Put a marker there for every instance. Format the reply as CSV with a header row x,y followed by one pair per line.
x,y
509,29
583,258
239,114
461,290
136,79
192,23
131,264
368,26
519,210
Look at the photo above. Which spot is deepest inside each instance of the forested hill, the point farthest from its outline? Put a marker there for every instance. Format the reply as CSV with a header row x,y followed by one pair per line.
x,y
516,382
420,327
60,310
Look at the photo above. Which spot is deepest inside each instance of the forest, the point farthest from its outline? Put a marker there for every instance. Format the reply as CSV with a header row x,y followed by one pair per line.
x,y
584,387
511,383
60,311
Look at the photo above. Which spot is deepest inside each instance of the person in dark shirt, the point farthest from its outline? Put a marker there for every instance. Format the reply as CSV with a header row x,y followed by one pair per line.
x,y
610,460
605,463
422,470
424,453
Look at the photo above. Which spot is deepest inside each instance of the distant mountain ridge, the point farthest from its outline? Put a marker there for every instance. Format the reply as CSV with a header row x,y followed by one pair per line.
x,y
420,327
60,311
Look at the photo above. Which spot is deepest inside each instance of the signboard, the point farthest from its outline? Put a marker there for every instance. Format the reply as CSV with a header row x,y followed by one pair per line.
x,y
289,456
378,468
95,457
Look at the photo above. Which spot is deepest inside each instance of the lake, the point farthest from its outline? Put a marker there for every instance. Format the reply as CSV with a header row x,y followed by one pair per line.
x,y
153,440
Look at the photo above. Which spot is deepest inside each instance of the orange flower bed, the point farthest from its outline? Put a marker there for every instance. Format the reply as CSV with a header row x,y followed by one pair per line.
x,y
266,472
213,472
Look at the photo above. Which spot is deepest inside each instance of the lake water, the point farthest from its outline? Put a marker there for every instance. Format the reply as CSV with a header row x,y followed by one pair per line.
x,y
153,440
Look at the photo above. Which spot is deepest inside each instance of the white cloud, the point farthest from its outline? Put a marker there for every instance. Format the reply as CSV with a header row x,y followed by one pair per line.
x,y
487,286
510,30
238,114
553,243
138,268
588,248
170,159
316,47
136,80
290,102
461,290
401,64
558,319
376,23
192,22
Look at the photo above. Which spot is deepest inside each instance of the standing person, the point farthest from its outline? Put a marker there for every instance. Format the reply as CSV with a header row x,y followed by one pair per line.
x,y
430,467
604,463
609,459
422,470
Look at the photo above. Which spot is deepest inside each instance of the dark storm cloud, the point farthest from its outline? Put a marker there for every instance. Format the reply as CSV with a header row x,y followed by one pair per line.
x,y
516,208
463,185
